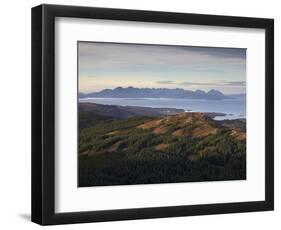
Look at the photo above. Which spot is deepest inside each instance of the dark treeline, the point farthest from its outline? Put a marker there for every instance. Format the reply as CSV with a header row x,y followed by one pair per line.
x,y
169,170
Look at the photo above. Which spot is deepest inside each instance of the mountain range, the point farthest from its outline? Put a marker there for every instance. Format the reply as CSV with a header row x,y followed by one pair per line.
x,y
132,92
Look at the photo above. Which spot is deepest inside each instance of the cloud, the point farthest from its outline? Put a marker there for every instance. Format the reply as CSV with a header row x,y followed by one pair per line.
x,y
199,83
165,82
95,56
216,83
235,83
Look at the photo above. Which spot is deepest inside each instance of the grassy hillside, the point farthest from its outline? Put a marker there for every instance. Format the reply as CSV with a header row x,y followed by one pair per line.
x,y
176,148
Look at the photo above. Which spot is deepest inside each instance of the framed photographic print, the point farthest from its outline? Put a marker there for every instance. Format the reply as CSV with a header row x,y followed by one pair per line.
x,y
142,114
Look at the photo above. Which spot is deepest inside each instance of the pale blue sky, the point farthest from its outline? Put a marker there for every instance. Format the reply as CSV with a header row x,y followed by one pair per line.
x,y
109,65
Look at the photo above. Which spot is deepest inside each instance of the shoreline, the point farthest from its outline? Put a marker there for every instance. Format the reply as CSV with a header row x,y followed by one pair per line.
x,y
158,111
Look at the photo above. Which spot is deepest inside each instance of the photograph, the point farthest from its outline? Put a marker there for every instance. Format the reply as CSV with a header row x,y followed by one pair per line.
x,y
151,114
143,114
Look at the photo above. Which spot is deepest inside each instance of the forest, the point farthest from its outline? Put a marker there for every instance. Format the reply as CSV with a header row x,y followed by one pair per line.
x,y
184,147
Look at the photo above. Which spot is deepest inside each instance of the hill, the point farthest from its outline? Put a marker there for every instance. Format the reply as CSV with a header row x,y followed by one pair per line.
x,y
175,148
122,112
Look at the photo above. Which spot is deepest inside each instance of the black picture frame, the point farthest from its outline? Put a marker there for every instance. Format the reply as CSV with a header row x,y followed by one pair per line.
x,y
43,114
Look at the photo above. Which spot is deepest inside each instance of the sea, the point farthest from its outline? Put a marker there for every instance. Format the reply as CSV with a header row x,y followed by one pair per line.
x,y
234,108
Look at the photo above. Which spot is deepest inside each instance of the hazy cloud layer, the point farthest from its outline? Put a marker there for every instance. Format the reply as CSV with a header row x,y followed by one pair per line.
x,y
166,82
219,83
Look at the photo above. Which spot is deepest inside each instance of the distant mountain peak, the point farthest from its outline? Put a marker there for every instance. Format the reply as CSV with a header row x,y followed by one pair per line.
x,y
215,92
199,91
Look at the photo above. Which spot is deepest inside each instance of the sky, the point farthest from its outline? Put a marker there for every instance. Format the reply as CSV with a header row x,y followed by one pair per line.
x,y
110,65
